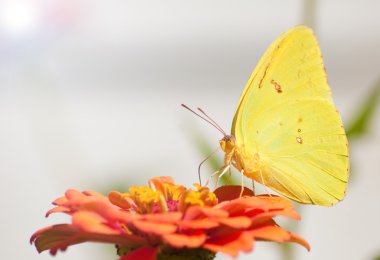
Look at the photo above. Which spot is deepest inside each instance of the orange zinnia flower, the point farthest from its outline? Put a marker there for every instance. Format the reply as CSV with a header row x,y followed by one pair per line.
x,y
165,219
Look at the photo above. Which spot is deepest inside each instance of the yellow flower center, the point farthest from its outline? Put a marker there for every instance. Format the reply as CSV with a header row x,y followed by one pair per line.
x,y
163,197
144,198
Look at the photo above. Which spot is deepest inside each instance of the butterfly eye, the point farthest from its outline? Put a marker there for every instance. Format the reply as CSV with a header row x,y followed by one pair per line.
x,y
222,144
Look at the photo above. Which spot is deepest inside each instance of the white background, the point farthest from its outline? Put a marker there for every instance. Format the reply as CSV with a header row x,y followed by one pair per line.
x,y
90,95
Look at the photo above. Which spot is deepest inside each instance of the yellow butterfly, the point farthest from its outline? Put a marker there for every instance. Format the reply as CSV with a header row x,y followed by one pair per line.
x,y
286,133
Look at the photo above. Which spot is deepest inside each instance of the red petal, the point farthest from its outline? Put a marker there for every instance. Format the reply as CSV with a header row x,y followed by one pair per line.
x,y
259,222
231,192
182,240
231,244
146,253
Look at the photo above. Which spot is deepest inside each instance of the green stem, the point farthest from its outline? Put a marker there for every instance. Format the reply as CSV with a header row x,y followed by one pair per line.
x,y
309,13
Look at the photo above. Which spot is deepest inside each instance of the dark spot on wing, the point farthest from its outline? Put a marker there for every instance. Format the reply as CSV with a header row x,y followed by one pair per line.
x,y
277,86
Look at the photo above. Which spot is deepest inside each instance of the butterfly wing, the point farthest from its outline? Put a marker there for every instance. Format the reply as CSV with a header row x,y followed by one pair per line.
x,y
287,120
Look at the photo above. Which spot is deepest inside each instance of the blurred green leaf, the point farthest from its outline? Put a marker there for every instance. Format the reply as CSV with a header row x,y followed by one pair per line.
x,y
309,13
359,124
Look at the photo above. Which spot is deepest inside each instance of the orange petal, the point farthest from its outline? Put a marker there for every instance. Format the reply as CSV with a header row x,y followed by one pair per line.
x,y
93,193
154,227
252,206
60,201
167,217
163,179
231,192
270,233
125,217
290,213
230,244
159,184
57,209
239,206
53,238
264,217
184,240
278,234
59,237
118,199
146,253
92,222
101,207
236,222
196,212
73,194
198,224
287,213
299,240
275,201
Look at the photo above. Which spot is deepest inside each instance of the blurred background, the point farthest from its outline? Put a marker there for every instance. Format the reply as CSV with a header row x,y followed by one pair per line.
x,y
90,95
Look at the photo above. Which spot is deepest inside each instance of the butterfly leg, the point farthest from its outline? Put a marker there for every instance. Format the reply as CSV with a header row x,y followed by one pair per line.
x,y
199,167
263,183
226,168
221,170
242,183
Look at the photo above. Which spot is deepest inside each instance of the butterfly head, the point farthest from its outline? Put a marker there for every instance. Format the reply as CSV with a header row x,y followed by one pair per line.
x,y
227,143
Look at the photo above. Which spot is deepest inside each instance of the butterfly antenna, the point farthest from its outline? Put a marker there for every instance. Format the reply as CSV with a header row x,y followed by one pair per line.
x,y
207,119
212,120
199,167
